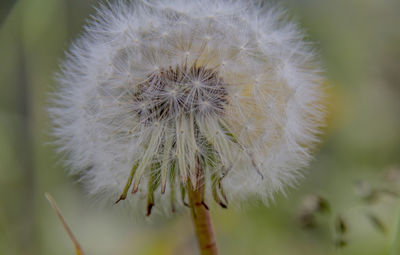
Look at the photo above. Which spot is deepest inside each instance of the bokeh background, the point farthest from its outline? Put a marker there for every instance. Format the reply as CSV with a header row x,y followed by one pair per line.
x,y
356,170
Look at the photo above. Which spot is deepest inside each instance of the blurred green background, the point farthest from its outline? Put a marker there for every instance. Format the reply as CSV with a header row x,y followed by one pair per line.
x,y
359,44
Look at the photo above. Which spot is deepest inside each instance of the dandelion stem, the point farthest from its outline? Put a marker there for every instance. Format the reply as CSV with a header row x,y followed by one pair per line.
x,y
201,216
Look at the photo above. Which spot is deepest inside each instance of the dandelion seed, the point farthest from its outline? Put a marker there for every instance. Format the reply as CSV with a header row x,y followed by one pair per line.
x,y
154,88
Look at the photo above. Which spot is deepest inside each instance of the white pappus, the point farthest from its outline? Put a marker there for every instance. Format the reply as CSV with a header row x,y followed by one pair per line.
x,y
157,94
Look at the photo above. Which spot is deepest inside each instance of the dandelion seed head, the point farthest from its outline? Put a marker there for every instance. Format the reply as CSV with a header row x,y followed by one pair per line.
x,y
155,88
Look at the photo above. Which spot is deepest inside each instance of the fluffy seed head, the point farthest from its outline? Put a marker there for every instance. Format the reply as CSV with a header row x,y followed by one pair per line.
x,y
156,94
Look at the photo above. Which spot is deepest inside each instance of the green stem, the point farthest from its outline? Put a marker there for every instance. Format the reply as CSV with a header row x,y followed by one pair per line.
x,y
201,216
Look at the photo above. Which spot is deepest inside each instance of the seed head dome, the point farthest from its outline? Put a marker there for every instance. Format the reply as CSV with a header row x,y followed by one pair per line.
x,y
156,94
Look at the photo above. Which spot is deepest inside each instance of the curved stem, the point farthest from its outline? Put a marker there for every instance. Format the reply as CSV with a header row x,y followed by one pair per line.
x,y
201,216
53,204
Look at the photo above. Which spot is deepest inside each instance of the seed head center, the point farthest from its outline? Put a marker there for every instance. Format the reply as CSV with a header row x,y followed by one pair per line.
x,y
169,92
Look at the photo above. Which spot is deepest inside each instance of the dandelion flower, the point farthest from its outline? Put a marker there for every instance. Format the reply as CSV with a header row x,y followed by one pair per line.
x,y
158,95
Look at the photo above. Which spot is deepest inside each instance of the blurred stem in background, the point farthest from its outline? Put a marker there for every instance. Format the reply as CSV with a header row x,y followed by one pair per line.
x,y
18,105
24,149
